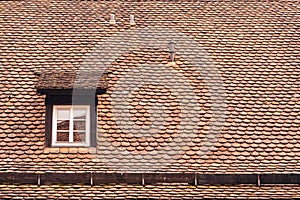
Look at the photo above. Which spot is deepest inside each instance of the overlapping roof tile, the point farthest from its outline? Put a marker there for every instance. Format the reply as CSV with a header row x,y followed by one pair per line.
x,y
69,79
253,45
149,191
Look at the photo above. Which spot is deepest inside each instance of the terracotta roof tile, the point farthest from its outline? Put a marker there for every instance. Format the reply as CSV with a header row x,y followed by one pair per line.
x,y
254,45
149,191
67,79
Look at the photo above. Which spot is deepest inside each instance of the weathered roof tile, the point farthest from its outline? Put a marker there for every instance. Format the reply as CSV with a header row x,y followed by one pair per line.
x,y
254,45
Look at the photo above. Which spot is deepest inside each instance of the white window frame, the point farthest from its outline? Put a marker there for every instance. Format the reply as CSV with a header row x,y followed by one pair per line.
x,y
71,142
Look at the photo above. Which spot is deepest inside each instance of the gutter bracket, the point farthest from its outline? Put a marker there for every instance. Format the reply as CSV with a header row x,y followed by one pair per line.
x,y
258,180
91,179
143,180
39,179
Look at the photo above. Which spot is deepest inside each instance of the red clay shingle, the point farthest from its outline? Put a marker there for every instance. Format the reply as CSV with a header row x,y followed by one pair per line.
x,y
254,45
150,191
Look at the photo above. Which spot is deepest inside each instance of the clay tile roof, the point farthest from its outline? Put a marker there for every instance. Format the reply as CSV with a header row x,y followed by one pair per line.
x,y
62,79
151,192
236,73
252,45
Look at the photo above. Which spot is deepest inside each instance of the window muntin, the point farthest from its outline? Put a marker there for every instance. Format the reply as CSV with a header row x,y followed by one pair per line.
x,y
71,125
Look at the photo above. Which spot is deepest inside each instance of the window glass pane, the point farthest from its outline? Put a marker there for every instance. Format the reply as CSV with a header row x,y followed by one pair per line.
x,y
79,125
62,136
79,136
68,120
63,125
79,113
63,114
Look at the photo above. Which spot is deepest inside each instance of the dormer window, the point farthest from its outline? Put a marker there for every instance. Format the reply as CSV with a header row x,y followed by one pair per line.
x,y
71,122
70,111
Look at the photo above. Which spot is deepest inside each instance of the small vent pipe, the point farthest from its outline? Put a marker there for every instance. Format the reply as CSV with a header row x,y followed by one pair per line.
x,y
131,18
172,51
112,19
